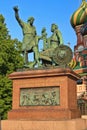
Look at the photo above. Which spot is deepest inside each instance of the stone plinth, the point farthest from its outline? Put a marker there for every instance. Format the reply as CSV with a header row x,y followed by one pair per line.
x,y
56,87
72,124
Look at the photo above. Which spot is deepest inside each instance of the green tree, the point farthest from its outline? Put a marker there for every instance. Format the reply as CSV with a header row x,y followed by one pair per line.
x,y
10,60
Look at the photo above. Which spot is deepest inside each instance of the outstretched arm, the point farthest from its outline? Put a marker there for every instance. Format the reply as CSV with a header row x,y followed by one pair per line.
x,y
15,8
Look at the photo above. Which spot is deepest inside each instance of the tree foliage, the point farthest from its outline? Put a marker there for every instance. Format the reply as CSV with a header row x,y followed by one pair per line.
x,y
10,60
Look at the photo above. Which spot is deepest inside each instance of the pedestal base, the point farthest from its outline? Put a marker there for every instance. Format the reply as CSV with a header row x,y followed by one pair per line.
x,y
44,114
74,124
48,94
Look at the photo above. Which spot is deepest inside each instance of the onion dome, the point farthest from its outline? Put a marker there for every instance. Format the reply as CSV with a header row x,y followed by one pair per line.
x,y
80,15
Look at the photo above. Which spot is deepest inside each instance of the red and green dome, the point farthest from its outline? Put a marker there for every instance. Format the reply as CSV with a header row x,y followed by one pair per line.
x,y
80,15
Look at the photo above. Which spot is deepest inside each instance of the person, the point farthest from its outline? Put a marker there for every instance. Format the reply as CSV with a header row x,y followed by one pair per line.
x,y
30,38
44,38
52,42
56,38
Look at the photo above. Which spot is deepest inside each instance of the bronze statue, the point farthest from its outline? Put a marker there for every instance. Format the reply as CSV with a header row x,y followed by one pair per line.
x,y
54,53
53,41
44,38
30,38
56,38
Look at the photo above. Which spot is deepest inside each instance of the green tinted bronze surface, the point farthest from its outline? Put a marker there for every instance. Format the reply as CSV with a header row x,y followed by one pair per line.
x,y
53,53
39,96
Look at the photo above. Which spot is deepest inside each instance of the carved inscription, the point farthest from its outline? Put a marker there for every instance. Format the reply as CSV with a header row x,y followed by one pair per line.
x,y
39,96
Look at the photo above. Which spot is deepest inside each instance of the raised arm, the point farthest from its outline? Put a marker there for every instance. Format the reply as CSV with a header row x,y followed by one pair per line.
x,y
15,8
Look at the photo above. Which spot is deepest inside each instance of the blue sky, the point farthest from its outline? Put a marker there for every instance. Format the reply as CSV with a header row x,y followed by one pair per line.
x,y
45,13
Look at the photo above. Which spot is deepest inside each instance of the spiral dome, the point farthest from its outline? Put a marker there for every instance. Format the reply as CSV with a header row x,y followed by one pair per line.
x,y
80,15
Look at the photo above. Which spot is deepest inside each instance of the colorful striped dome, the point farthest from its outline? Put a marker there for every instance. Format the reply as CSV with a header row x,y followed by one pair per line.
x,y
80,15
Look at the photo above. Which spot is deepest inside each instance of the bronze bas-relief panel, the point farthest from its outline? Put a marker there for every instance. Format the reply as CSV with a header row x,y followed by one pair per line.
x,y
49,96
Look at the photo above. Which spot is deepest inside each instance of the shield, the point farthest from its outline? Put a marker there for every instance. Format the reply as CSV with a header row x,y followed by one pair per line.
x,y
62,55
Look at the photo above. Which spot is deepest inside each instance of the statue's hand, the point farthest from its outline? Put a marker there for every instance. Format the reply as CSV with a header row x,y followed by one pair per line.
x,y
15,8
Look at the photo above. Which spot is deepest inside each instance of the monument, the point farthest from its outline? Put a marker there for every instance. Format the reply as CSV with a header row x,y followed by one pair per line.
x,y
44,90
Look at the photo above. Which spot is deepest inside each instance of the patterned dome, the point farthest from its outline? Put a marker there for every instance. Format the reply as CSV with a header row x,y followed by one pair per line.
x,y
80,15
